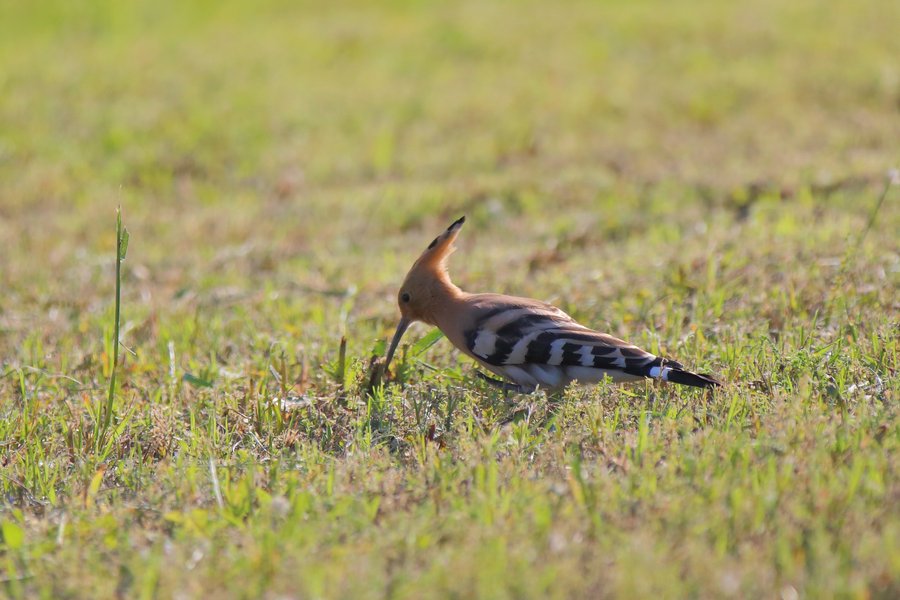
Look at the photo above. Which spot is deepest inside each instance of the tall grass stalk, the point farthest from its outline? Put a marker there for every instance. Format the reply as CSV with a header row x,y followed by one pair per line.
x,y
121,250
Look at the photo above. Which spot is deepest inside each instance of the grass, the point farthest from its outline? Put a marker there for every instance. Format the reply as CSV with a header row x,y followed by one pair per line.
x,y
702,178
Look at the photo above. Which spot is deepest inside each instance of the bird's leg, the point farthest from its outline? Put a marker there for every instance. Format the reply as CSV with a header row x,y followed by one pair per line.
x,y
503,385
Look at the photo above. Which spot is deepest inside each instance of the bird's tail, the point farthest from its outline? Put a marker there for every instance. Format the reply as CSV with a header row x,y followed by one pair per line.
x,y
693,379
669,370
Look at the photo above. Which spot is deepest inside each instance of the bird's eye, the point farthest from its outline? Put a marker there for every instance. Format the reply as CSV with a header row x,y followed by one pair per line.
x,y
404,297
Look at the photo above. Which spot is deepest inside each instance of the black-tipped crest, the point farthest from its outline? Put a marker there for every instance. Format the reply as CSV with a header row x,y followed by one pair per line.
x,y
457,223
450,230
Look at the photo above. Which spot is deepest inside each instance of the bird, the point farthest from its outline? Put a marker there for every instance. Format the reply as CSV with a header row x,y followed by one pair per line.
x,y
530,344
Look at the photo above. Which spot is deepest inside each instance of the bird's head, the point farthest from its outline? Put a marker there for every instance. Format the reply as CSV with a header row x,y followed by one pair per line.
x,y
427,278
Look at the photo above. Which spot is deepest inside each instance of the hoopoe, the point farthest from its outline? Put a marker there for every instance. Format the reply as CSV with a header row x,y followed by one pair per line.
x,y
528,342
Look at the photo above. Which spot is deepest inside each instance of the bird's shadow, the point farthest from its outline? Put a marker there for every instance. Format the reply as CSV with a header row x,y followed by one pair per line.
x,y
519,411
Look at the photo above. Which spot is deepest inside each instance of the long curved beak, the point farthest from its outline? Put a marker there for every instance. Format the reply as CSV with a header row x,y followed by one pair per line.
x,y
401,329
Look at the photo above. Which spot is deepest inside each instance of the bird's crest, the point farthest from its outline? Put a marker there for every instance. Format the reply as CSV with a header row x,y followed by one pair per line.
x,y
434,258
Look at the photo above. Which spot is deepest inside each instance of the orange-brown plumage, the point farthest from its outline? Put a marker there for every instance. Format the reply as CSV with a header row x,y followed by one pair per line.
x,y
531,343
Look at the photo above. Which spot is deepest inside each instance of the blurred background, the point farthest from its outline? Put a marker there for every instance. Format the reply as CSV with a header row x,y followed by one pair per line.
x,y
314,148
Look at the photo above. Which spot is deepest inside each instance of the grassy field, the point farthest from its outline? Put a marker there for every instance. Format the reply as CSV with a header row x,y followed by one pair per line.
x,y
706,179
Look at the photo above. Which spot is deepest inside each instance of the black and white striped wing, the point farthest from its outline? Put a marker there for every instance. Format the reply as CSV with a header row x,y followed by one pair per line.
x,y
545,346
